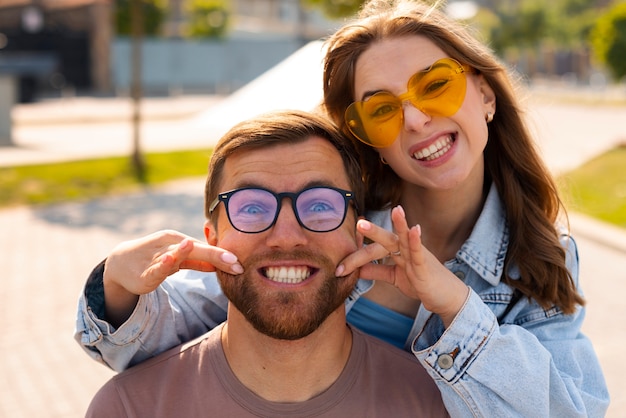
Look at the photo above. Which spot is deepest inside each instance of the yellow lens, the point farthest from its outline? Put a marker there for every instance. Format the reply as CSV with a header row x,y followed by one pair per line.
x,y
440,91
375,121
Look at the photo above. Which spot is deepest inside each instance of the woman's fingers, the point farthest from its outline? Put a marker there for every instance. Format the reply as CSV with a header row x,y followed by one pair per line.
x,y
383,244
195,255
359,258
204,257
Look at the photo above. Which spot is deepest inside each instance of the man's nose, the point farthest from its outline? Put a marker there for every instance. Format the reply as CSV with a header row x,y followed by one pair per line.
x,y
286,232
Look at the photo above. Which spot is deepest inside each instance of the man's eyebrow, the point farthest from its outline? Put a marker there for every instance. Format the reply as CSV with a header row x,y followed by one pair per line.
x,y
255,185
318,183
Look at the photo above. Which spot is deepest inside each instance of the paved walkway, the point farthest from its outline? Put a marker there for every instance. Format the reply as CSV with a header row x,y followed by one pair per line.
x,y
46,253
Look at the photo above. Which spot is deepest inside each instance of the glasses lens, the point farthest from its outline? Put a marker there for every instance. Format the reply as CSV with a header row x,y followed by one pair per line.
x,y
438,91
377,120
321,209
252,210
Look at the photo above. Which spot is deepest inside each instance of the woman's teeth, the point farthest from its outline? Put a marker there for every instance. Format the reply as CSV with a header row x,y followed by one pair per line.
x,y
435,150
290,275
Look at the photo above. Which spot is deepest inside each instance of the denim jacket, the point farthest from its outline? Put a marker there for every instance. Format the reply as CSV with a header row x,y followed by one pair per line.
x,y
503,355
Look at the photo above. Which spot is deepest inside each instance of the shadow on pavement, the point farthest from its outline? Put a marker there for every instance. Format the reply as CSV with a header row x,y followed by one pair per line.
x,y
134,215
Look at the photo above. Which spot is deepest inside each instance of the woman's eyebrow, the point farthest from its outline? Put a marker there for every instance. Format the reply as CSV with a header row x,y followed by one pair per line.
x,y
432,66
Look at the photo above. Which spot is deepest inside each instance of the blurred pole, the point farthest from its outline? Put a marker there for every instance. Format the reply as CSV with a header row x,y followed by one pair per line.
x,y
136,90
301,25
8,98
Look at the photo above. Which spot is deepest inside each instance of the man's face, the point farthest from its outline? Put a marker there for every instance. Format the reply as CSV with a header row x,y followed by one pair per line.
x,y
289,287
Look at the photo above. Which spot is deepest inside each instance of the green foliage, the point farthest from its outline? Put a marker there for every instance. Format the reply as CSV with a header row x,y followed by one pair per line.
x,y
523,24
608,38
528,23
79,180
509,23
207,18
598,188
336,9
571,21
339,9
154,12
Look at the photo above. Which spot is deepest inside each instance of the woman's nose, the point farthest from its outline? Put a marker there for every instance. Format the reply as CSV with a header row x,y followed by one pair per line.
x,y
414,119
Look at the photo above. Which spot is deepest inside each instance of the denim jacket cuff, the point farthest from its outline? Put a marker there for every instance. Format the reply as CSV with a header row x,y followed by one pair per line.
x,y
449,352
97,329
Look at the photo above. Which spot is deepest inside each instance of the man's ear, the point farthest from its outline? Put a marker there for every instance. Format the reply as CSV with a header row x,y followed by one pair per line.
x,y
209,233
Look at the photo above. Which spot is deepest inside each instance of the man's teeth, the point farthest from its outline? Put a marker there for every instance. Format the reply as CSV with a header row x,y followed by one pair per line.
x,y
435,150
287,274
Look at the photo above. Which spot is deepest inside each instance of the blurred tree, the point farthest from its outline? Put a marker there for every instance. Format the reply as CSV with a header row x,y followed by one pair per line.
x,y
572,21
137,28
336,9
608,38
521,24
527,23
153,15
207,18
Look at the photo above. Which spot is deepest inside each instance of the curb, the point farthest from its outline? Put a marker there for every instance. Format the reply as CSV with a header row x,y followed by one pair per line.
x,y
598,231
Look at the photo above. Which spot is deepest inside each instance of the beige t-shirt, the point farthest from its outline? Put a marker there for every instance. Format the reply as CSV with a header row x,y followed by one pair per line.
x,y
194,380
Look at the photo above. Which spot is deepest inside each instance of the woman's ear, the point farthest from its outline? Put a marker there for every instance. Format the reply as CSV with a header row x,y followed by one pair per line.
x,y
209,233
488,96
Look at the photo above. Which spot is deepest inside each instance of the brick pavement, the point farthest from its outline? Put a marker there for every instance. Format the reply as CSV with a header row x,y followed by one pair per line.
x,y
46,254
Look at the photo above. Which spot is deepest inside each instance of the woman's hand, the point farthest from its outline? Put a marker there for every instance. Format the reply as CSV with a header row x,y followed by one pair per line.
x,y
139,266
414,270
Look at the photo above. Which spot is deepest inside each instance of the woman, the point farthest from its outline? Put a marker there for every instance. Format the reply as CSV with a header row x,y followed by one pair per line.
x,y
482,288
445,145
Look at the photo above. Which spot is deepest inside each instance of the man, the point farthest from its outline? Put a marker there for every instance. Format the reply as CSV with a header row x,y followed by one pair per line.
x,y
283,193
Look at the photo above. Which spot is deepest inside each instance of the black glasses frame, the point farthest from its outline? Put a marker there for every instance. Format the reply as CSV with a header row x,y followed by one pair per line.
x,y
225,197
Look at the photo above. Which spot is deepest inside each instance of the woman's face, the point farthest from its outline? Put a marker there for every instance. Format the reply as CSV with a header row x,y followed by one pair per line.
x,y
432,152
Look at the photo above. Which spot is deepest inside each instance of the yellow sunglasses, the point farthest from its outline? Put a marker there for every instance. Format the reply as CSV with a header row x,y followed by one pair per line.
x,y
436,91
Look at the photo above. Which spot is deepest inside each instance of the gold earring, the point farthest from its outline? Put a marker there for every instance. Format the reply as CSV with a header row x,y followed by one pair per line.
x,y
489,117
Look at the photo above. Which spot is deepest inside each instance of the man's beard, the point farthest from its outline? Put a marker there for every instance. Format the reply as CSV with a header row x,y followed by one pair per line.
x,y
286,315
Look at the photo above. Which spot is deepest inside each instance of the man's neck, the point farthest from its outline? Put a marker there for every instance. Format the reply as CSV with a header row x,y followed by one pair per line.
x,y
282,370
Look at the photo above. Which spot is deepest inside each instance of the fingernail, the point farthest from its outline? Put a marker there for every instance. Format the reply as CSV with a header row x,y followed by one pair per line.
x,y
237,268
340,269
229,258
364,225
401,209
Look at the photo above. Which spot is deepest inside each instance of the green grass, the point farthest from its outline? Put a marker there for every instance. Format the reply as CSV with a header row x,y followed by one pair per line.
x,y
598,188
81,180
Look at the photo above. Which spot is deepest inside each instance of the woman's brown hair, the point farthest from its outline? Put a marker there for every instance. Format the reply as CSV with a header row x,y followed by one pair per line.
x,y
512,162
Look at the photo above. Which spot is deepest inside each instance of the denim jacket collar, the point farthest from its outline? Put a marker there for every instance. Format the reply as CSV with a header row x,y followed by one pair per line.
x,y
486,248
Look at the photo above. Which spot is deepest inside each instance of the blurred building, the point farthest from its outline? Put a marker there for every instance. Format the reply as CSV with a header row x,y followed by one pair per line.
x,y
287,17
52,45
56,47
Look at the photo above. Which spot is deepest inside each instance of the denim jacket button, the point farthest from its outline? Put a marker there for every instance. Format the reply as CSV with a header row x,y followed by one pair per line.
x,y
445,361
459,274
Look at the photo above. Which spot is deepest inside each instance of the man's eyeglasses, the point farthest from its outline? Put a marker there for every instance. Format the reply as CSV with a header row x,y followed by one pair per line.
x,y
436,91
253,210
